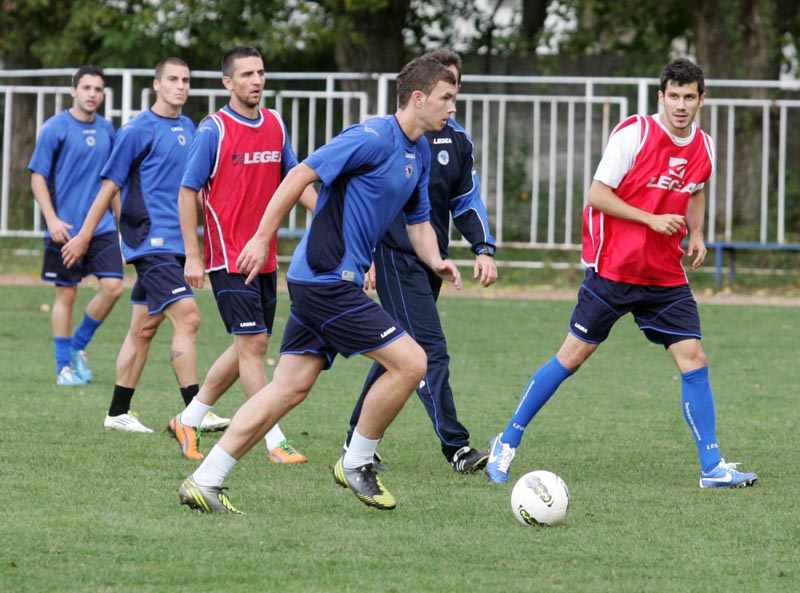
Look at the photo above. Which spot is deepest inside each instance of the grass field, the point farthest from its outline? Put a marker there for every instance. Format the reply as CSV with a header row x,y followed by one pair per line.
x,y
88,510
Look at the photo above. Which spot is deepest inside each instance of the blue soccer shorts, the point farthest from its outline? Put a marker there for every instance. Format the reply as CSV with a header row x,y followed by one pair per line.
x,y
103,259
333,318
160,282
666,314
245,308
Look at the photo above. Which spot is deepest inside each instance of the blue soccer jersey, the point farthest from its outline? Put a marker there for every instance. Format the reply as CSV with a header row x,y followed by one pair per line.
x,y
147,163
69,154
454,189
370,173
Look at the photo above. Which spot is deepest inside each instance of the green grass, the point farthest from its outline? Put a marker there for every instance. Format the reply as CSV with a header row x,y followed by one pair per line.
x,y
757,272
88,510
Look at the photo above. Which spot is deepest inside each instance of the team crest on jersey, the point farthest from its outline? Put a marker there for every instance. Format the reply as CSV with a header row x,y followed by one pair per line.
x,y
443,157
181,139
90,141
409,170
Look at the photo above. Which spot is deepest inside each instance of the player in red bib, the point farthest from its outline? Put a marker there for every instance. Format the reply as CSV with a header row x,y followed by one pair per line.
x,y
238,158
646,198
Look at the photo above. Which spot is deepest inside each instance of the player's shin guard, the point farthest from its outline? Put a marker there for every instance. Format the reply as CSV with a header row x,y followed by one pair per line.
x,y
698,410
540,388
84,333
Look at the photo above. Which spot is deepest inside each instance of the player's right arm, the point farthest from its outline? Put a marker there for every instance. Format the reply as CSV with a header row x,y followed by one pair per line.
x,y
193,269
255,252
59,230
196,173
603,198
76,247
618,158
42,163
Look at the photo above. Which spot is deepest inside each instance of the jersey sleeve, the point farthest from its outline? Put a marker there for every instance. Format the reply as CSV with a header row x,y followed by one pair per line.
x,y
288,157
466,205
356,147
202,156
130,143
44,152
112,133
619,155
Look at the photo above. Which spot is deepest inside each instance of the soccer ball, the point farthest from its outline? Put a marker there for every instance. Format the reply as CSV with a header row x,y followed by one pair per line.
x,y
540,498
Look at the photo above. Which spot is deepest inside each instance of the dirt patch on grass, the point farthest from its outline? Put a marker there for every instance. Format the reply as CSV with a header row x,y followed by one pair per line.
x,y
545,293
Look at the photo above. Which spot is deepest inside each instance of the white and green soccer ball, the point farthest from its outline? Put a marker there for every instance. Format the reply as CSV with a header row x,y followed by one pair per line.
x,y
540,498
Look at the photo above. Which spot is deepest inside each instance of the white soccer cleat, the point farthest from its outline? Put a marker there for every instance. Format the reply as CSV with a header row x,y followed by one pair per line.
x,y
68,378
125,423
213,423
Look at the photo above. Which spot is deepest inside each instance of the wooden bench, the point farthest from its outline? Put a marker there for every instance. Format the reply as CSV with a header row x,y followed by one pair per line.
x,y
721,248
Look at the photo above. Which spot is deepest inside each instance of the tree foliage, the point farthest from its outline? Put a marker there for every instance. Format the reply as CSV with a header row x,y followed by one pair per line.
x,y
742,38
730,38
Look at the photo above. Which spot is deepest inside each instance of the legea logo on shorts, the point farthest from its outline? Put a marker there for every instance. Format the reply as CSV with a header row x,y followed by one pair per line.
x,y
579,327
179,290
247,324
389,332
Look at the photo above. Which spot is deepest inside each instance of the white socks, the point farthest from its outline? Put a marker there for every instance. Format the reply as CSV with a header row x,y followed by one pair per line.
x,y
194,413
274,437
361,451
214,468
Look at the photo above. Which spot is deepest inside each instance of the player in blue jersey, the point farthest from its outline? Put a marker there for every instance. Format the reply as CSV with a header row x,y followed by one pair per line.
x,y
65,176
146,164
369,173
236,162
408,289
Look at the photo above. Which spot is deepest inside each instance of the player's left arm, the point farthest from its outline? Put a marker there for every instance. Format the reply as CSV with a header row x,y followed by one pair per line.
x,y
695,221
468,210
423,239
308,199
255,252
471,220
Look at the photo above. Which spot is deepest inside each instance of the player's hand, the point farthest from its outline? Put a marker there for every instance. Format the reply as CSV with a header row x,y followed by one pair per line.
x,y
447,270
369,278
485,270
194,272
252,258
667,224
696,247
74,250
59,230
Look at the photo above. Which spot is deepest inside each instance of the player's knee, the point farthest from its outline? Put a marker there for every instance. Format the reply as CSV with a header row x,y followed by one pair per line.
x,y
255,346
112,290
698,359
190,323
146,332
416,365
66,296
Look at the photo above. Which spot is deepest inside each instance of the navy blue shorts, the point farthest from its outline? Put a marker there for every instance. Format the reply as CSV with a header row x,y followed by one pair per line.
x,y
336,318
245,308
103,259
160,282
666,314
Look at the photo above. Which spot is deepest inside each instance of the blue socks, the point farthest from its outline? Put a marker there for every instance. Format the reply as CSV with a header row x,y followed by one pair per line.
x,y
84,333
696,395
698,411
540,388
61,353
